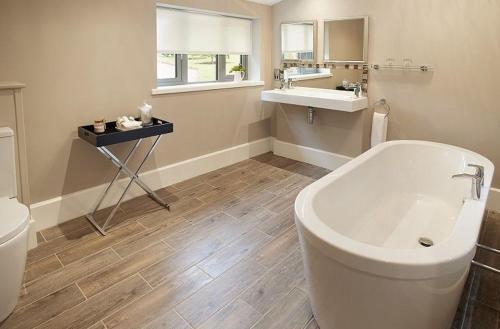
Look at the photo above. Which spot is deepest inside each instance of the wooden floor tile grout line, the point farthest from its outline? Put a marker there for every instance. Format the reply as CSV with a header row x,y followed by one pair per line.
x,y
66,232
146,231
107,247
272,309
42,297
158,287
262,317
79,288
65,247
59,260
43,275
117,254
138,222
125,305
256,228
43,236
63,312
73,282
26,290
132,274
142,277
110,248
168,245
250,284
211,185
211,276
178,314
267,271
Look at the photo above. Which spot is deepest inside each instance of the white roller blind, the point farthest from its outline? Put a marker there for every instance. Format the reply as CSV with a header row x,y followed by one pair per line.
x,y
185,32
297,38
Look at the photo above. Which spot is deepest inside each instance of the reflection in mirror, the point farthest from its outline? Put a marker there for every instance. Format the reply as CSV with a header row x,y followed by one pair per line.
x,y
339,78
297,41
346,40
299,73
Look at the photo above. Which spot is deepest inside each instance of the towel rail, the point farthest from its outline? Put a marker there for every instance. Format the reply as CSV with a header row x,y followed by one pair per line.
x,y
484,266
422,68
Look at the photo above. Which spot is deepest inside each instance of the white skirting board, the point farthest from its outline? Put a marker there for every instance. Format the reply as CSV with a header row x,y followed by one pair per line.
x,y
309,155
60,209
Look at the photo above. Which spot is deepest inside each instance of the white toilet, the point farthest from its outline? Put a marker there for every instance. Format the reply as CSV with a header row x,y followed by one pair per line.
x,y
14,224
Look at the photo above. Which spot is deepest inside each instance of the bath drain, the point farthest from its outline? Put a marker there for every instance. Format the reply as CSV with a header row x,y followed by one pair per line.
x,y
426,242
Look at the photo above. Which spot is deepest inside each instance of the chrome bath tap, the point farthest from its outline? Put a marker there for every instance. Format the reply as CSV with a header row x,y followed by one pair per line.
x,y
477,180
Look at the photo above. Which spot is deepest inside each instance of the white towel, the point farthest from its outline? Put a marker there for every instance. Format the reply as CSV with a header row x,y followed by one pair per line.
x,y
379,128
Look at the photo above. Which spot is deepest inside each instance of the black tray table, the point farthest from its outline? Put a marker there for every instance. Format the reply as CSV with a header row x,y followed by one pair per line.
x,y
114,136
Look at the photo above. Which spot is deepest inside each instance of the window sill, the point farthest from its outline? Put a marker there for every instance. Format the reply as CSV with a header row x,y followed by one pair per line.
x,y
204,86
310,76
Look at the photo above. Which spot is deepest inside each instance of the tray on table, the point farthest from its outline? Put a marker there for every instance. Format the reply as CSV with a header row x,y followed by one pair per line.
x,y
114,136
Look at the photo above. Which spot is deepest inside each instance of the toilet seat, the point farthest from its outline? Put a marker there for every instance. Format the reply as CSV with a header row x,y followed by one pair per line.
x,y
14,217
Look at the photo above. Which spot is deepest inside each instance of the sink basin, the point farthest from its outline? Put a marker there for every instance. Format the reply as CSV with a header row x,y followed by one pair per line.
x,y
330,99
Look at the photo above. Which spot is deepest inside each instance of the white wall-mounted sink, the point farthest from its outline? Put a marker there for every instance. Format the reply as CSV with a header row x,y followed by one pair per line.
x,y
330,99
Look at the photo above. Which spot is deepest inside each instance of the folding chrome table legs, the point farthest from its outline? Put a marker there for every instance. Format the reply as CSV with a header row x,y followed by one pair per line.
x,y
122,168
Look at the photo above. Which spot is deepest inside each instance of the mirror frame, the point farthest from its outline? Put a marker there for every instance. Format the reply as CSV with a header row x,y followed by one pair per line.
x,y
365,40
315,42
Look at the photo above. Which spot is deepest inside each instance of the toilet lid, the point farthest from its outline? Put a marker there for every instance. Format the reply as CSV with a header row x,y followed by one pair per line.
x,y
14,217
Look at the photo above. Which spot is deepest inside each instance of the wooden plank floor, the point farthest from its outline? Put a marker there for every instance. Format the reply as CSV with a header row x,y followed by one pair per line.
x,y
225,256
480,304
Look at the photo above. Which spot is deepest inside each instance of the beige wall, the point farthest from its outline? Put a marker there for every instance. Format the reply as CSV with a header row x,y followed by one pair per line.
x,y
456,104
83,60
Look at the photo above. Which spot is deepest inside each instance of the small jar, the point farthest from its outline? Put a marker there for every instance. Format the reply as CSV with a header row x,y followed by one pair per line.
x,y
99,126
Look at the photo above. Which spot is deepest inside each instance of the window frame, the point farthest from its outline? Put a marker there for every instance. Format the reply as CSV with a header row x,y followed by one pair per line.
x,y
178,73
182,66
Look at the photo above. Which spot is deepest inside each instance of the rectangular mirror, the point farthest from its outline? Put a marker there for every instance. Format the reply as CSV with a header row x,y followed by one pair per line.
x,y
346,40
297,41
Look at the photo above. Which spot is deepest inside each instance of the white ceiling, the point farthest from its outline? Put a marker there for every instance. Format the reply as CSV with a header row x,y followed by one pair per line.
x,y
266,2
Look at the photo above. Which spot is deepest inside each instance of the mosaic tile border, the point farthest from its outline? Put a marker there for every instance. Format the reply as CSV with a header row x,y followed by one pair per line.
x,y
334,66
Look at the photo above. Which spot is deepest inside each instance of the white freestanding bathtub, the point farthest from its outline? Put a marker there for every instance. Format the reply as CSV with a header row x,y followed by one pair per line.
x,y
360,227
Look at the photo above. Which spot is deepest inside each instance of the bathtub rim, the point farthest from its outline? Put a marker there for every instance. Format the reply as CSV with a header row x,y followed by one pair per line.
x,y
450,255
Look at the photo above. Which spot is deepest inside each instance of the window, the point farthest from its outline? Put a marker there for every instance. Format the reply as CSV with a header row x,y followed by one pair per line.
x,y
174,69
194,47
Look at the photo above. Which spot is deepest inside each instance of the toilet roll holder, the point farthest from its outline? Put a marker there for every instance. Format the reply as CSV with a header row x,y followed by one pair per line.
x,y
382,102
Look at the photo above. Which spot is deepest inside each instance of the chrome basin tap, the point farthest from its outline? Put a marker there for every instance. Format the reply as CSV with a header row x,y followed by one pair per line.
x,y
357,89
282,83
286,83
